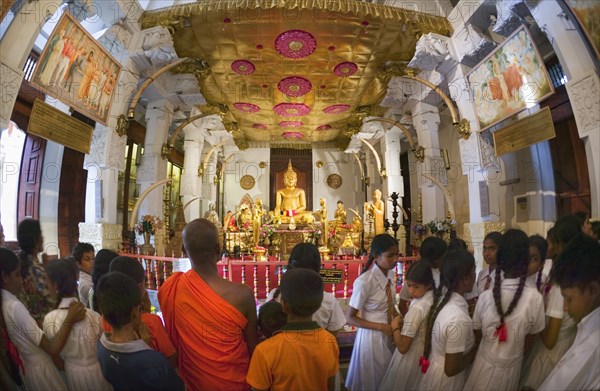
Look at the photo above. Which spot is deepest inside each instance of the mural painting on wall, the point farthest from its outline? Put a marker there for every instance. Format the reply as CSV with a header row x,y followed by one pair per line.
x,y
588,14
75,69
510,79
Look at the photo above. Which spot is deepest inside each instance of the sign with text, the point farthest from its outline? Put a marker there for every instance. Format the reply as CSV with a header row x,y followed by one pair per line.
x,y
525,132
331,276
54,125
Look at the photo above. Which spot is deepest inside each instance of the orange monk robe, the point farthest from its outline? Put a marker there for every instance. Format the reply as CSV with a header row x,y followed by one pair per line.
x,y
207,331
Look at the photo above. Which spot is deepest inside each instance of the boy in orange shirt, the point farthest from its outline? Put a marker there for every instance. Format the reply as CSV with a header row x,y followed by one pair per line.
x,y
302,355
158,338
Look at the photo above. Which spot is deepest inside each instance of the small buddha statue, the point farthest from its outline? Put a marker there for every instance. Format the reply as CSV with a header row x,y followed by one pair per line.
x,y
290,201
375,210
340,213
259,212
322,213
212,216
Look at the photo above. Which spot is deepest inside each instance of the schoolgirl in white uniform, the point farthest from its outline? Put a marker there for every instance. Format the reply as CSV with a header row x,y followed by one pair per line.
x,y
449,345
38,371
373,295
505,319
404,372
79,354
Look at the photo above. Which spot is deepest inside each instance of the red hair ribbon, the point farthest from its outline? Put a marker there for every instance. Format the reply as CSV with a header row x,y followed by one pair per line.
x,y
424,363
13,352
501,332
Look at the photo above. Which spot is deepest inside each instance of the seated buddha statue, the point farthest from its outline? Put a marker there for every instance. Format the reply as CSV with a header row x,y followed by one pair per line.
x,y
291,201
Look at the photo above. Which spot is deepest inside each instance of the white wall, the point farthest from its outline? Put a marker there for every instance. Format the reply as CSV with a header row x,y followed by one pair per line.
x,y
343,164
49,197
247,164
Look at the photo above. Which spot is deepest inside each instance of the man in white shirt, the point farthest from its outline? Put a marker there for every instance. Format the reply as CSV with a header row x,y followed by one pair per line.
x,y
577,271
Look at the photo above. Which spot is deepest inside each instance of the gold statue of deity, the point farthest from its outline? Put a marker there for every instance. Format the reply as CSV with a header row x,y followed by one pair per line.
x,y
291,201
259,212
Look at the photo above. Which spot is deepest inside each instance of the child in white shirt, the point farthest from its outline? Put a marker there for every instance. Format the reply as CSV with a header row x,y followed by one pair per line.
x,y
449,346
577,272
504,333
404,373
34,348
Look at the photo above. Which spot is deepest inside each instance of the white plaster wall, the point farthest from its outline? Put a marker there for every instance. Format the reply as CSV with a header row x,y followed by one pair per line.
x,y
247,164
343,164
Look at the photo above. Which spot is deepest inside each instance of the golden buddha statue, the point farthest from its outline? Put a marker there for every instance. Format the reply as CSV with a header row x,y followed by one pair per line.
x,y
375,210
290,201
340,213
322,213
259,212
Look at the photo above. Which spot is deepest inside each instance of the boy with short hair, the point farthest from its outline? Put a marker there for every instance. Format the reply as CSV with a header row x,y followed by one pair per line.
x,y
302,355
158,338
127,362
84,256
577,271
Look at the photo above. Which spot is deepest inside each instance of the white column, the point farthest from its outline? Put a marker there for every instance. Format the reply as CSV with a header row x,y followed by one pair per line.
x,y
153,168
426,120
190,181
394,174
15,47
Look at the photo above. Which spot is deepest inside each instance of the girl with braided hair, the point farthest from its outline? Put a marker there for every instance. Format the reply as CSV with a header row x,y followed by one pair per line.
x,y
536,278
559,333
432,250
404,373
506,319
449,345
373,295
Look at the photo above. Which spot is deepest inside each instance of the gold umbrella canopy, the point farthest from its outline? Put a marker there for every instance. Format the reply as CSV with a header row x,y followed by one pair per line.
x,y
305,70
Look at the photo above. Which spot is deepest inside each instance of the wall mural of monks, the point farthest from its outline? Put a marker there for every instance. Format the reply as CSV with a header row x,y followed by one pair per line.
x,y
512,78
75,69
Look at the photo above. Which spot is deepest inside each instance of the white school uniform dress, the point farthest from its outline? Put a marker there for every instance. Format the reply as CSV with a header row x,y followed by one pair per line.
x,y
452,333
330,315
497,365
404,372
372,349
579,368
541,360
40,372
82,369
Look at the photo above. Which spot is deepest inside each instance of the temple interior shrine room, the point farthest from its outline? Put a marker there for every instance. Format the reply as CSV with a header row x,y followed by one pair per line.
x,y
287,122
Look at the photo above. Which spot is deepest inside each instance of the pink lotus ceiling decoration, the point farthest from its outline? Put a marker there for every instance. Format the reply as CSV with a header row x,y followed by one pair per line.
x,y
345,69
336,109
243,67
295,44
260,126
291,109
290,124
324,127
294,86
294,135
246,107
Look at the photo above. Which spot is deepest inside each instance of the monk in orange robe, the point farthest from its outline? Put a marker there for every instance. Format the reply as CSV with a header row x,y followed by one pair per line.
x,y
211,321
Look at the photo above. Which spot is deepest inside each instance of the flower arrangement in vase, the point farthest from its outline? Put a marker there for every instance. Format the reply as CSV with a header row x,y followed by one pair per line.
x,y
147,227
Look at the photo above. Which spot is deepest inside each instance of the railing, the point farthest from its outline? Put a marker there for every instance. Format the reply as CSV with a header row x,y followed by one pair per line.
x,y
261,276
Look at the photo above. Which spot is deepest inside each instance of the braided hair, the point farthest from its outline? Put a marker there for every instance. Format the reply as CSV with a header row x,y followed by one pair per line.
x,y
456,265
63,274
513,256
540,243
380,244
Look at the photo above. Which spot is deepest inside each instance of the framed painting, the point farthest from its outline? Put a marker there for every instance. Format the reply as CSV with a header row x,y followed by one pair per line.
x,y
77,70
587,13
510,79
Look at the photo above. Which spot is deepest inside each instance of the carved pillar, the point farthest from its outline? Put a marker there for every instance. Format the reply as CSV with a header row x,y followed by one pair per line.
x,y
474,233
153,168
426,120
101,235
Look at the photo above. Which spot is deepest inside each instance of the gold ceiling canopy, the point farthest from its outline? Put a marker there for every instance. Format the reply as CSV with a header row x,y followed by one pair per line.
x,y
304,70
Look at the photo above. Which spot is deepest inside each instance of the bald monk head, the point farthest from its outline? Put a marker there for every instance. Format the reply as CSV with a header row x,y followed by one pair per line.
x,y
201,241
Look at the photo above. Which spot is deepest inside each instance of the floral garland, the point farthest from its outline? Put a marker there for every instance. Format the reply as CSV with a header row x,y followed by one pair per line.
x,y
149,224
